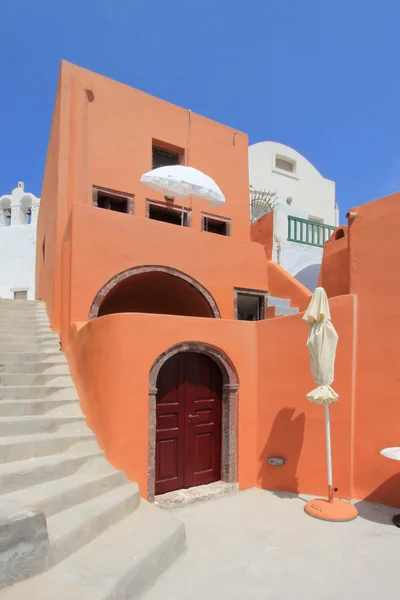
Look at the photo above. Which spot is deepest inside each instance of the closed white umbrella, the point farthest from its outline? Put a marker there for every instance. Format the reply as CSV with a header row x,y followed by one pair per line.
x,y
183,182
322,343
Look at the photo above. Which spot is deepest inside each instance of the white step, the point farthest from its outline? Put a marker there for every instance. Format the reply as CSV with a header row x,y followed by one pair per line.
x,y
32,392
17,379
20,408
28,425
26,473
58,495
16,448
70,529
121,564
32,357
50,368
24,336
16,346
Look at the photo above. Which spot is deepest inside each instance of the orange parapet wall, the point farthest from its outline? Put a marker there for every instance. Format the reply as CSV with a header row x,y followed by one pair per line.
x,y
262,232
289,426
334,273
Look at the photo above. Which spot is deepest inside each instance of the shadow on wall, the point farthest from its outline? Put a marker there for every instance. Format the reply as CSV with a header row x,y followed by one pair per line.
x,y
309,276
285,441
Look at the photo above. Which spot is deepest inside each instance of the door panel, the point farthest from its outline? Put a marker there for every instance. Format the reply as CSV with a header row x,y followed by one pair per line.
x,y
188,436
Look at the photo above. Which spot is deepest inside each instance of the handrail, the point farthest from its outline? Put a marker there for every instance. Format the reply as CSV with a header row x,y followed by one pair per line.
x,y
305,231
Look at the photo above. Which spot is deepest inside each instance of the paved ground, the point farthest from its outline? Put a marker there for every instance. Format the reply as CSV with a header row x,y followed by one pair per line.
x,y
256,545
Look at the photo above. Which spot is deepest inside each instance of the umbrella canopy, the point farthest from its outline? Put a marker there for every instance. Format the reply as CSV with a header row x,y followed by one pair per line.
x,y
183,182
322,342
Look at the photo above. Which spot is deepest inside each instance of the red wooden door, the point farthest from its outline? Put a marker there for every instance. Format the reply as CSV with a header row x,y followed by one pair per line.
x,y
188,430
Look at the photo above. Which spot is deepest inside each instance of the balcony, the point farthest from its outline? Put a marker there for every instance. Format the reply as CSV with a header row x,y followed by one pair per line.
x,y
311,233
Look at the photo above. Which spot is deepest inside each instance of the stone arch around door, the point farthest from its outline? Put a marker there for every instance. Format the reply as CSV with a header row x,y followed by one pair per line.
x,y
148,269
229,410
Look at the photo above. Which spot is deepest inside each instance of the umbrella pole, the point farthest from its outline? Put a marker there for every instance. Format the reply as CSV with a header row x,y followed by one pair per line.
x,y
328,451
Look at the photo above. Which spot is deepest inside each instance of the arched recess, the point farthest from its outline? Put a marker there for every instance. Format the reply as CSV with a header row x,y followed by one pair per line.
x,y
309,276
200,301
229,410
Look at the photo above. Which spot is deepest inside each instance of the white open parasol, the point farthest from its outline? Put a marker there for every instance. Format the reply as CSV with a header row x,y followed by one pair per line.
x,y
322,342
183,182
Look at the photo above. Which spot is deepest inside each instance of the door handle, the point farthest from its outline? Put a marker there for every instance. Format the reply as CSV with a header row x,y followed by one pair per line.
x,y
191,417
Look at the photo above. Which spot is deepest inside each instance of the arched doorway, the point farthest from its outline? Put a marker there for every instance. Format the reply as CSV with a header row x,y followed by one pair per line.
x,y
188,422
154,289
192,419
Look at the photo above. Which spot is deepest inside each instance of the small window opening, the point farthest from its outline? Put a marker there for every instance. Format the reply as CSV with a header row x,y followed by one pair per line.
x,y
162,157
215,226
249,307
110,202
21,295
28,216
285,164
339,234
167,215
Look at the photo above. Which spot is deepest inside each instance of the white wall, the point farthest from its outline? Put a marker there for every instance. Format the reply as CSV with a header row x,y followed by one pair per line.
x,y
18,243
312,194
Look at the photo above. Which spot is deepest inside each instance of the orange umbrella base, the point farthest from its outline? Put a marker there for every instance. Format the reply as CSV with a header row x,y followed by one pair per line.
x,y
337,510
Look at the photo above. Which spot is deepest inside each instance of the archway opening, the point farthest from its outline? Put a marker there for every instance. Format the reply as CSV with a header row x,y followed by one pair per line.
x,y
201,430
155,292
309,276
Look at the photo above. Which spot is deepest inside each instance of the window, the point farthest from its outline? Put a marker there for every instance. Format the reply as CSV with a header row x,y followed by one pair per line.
x,y
28,213
7,216
285,164
113,200
167,214
21,295
165,157
249,305
216,225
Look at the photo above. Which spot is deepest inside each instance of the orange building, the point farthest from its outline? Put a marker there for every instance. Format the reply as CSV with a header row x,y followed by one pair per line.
x,y
181,373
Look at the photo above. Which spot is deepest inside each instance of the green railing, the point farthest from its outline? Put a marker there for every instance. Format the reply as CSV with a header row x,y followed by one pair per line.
x,y
308,232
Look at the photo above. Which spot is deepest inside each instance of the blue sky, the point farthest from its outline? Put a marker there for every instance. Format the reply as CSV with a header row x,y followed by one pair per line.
x,y
322,77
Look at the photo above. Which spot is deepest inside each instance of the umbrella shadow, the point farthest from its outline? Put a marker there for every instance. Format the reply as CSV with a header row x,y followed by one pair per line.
x,y
285,441
374,507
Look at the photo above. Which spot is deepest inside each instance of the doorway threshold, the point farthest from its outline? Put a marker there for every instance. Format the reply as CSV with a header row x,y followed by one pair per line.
x,y
199,493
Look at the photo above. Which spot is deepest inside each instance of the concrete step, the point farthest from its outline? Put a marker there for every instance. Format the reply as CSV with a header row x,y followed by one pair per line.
x,y
123,562
18,379
32,357
28,337
16,448
282,311
31,325
22,474
32,392
70,529
58,495
16,346
47,368
275,301
20,408
28,425
16,302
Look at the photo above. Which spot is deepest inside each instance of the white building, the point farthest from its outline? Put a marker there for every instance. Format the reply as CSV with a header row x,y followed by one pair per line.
x,y
18,222
306,211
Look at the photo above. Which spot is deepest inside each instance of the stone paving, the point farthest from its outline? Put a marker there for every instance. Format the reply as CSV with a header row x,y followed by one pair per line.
x,y
261,545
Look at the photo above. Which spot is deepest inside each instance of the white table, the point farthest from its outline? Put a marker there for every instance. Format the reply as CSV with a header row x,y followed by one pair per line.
x,y
394,454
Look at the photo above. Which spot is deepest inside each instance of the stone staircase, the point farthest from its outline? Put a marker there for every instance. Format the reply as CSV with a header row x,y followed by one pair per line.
x,y
71,526
279,307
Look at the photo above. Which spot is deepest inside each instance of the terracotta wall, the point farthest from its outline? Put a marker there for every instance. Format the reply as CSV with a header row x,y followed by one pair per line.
x,y
102,134
374,277
334,273
291,427
262,232
112,377
98,255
